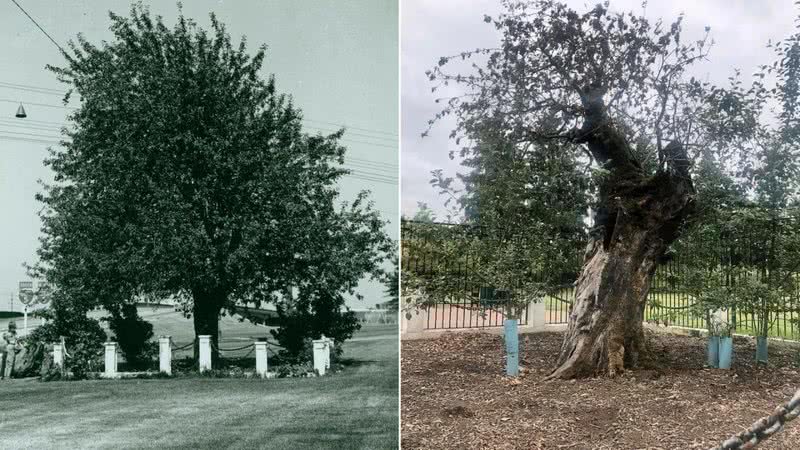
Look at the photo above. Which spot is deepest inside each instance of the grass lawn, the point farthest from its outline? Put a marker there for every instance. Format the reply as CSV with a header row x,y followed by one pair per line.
x,y
676,311
356,408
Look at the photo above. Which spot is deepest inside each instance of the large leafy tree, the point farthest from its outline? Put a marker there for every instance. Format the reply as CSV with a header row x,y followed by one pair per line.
x,y
187,175
613,89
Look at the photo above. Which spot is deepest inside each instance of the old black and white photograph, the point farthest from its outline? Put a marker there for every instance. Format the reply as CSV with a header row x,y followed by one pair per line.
x,y
200,224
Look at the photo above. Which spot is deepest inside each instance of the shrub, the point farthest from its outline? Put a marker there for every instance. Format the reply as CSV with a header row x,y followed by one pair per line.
x,y
293,370
133,336
308,320
83,337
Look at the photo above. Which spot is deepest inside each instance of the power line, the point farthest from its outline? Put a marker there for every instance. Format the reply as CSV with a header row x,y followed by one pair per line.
x,y
373,162
26,89
394,183
355,174
31,134
355,128
35,126
30,86
10,123
388,139
359,163
387,171
21,139
46,105
366,172
391,135
39,26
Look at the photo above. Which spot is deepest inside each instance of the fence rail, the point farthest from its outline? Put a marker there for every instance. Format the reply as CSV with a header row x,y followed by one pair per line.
x,y
745,246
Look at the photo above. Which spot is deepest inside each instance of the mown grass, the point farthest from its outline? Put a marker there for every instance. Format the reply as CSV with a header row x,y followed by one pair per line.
x,y
676,311
356,408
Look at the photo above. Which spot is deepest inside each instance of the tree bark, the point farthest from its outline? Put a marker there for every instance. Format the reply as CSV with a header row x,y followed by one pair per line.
x,y
205,313
639,216
605,333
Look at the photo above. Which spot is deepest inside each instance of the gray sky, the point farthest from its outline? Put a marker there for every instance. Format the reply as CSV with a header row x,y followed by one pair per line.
x,y
337,58
434,28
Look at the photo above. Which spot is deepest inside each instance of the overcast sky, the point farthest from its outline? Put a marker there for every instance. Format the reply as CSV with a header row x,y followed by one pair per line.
x,y
339,59
434,28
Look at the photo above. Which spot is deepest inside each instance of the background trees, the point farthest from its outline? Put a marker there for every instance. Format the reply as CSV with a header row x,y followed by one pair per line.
x,y
187,175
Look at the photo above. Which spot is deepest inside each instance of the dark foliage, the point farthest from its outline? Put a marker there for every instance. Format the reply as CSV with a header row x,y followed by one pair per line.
x,y
133,334
310,318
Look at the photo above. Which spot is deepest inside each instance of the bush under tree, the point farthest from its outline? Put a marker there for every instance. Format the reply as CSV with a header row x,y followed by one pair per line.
x,y
133,335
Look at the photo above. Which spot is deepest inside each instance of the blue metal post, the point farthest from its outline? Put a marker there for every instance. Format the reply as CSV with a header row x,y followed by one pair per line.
x,y
761,350
725,352
512,347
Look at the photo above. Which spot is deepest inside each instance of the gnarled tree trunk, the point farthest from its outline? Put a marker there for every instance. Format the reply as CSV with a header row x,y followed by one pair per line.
x,y
639,216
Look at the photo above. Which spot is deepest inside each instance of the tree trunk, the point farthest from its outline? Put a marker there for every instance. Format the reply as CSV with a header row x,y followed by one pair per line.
x,y
639,215
605,331
205,313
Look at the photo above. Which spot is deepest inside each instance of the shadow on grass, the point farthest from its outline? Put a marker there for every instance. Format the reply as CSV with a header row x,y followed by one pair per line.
x,y
355,363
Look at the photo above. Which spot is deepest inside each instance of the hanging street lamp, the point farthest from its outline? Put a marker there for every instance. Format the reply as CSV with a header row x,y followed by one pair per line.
x,y
21,112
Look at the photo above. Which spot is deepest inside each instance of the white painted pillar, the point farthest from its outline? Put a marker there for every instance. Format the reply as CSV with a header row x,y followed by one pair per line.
x,y
328,350
25,319
205,352
165,354
537,314
261,358
320,359
58,355
110,360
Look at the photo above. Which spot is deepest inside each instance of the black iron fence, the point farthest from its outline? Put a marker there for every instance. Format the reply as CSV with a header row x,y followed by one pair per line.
x,y
472,303
721,245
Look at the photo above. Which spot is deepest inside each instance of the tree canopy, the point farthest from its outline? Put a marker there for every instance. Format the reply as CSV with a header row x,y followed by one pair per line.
x,y
184,173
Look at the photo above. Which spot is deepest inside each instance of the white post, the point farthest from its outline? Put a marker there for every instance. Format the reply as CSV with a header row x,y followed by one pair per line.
x,y
320,360
58,355
165,354
536,315
328,350
261,358
110,360
25,319
205,352
417,322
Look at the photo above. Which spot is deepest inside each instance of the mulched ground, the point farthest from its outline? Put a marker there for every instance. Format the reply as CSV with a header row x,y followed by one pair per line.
x,y
454,396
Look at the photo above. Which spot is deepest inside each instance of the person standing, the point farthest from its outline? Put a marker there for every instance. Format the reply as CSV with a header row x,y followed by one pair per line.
x,y
10,344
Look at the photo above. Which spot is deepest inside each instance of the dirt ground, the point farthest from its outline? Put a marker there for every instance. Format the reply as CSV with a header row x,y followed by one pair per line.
x,y
454,396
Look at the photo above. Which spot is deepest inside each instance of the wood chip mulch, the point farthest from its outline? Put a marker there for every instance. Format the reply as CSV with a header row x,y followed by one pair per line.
x,y
454,395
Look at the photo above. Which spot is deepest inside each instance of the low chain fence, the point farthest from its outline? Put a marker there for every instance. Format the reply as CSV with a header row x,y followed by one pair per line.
x,y
322,349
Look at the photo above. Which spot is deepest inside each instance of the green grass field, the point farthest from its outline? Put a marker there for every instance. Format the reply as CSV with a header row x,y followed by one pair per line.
x,y
680,315
356,408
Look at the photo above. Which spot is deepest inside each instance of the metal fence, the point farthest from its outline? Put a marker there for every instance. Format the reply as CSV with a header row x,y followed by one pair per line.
x,y
667,303
473,305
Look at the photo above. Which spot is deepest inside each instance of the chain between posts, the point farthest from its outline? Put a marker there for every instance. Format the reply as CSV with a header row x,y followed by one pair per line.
x,y
222,350
765,427
174,347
